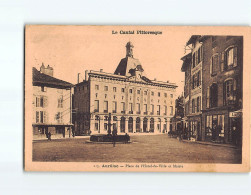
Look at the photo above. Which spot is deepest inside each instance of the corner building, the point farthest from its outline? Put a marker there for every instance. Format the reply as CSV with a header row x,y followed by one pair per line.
x,y
136,104
213,87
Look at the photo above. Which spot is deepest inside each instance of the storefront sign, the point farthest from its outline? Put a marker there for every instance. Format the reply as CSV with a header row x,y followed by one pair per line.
x,y
234,114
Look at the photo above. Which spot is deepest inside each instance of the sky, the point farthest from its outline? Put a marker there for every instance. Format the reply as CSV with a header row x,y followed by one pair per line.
x,y
73,49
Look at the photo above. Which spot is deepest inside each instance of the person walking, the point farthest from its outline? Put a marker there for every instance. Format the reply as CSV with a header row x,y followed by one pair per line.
x,y
49,136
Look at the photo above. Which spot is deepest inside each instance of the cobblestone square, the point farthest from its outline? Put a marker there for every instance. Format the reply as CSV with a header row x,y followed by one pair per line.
x,y
143,149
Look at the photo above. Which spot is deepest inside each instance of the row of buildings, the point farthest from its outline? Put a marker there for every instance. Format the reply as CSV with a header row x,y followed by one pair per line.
x,y
132,102
210,108
213,91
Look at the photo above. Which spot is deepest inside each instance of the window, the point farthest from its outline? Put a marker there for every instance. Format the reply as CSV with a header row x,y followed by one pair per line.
x,y
158,109
106,88
193,106
60,102
171,110
152,111
138,108
96,87
37,117
231,58
198,104
130,124
145,92
130,90
171,95
229,92
165,94
145,108
59,117
199,55
43,88
214,65
198,79
137,124
130,108
159,94
97,123
114,89
122,125
165,108
114,107
138,91
193,60
123,90
152,93
105,106
37,101
122,107
96,106
213,95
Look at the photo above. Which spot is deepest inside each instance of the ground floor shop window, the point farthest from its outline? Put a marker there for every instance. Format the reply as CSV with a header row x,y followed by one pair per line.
x,y
215,129
137,124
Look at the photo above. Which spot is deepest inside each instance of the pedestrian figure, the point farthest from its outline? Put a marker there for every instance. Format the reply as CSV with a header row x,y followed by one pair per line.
x,y
49,136
126,138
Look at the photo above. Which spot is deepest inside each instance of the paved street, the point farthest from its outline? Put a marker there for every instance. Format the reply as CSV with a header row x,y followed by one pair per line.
x,y
144,148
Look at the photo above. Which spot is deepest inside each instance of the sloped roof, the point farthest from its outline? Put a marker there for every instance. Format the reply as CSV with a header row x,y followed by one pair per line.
x,y
126,64
39,78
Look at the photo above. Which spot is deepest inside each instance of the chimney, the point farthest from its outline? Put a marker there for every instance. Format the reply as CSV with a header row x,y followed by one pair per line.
x,y
86,75
78,77
46,70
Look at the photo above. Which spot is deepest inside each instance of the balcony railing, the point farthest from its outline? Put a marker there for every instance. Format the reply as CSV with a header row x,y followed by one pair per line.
x,y
138,112
96,110
105,111
145,113
123,112
130,112
114,111
158,112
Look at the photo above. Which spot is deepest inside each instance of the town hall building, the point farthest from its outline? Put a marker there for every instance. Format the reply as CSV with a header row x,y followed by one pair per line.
x,y
134,103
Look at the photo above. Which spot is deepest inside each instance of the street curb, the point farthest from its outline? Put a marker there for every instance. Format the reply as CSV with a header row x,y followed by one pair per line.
x,y
210,144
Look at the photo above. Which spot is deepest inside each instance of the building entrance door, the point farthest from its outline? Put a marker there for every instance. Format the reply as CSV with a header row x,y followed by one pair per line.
x,y
214,128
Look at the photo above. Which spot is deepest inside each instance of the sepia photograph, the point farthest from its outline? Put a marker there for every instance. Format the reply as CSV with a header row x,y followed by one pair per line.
x,y
136,98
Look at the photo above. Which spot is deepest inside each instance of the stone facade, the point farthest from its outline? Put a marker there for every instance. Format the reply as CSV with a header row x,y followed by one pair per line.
x,y
214,94
51,106
136,103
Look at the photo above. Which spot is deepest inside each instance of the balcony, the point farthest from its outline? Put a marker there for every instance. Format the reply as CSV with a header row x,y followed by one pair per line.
x,y
138,112
105,111
96,110
114,111
158,112
123,112
145,113
130,112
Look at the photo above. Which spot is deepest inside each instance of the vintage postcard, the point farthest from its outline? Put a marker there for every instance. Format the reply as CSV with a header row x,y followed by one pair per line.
x,y
137,98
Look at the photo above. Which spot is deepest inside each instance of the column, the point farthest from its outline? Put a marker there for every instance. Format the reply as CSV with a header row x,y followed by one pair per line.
x,y
102,124
126,125
134,124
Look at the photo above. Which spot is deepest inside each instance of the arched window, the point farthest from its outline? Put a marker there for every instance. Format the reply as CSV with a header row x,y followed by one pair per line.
x,y
137,124
130,124
114,123
145,124
122,124
152,125
97,123
159,125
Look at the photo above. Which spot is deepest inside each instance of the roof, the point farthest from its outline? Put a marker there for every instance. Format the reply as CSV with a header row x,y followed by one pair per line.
x,y
192,39
126,64
39,78
186,60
